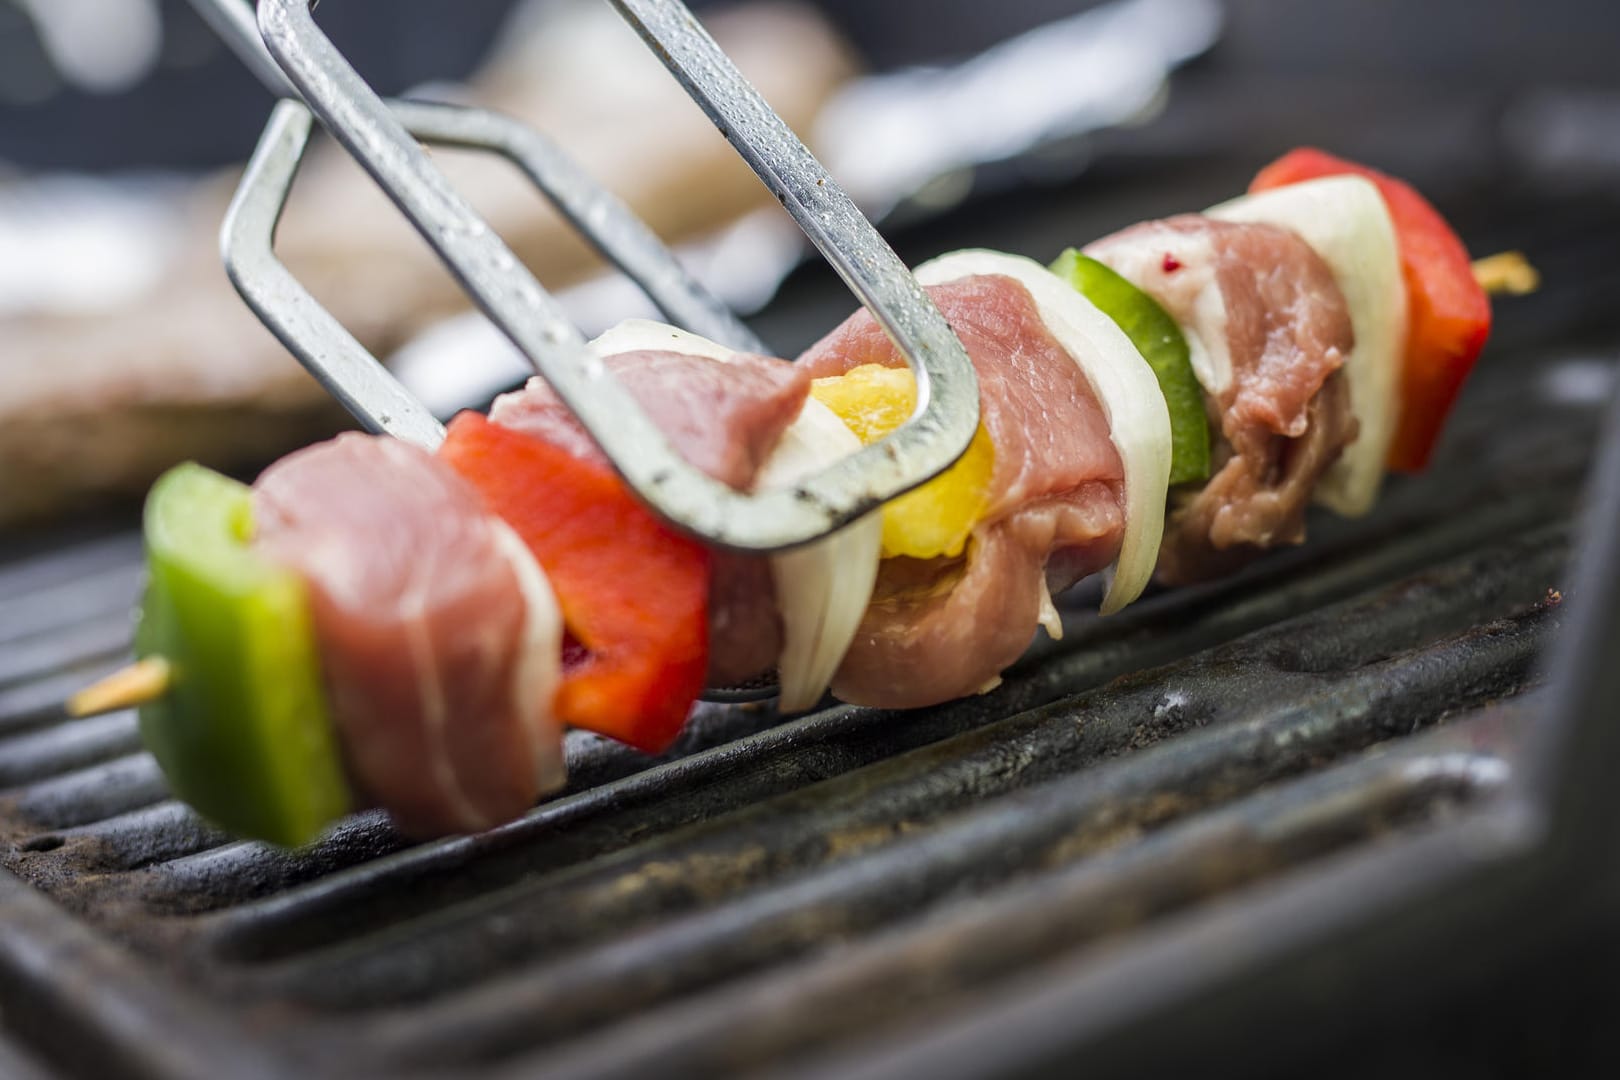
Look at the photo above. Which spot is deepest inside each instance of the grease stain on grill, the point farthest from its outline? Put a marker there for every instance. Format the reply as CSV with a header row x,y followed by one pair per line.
x,y
1174,712
849,842
701,878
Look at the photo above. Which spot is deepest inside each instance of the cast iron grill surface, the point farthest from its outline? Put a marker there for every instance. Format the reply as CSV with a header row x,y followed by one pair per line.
x,y
815,892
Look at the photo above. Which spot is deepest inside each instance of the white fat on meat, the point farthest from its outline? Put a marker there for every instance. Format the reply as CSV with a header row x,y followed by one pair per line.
x,y
1184,280
1345,221
648,335
439,638
539,669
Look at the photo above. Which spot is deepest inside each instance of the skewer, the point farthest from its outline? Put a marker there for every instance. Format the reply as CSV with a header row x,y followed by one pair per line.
x,y
1506,273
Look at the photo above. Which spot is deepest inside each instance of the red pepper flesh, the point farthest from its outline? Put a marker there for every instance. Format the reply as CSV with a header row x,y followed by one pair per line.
x,y
1449,315
633,592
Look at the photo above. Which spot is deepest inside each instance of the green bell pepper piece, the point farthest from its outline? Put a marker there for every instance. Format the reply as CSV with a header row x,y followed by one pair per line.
x,y
1161,343
243,733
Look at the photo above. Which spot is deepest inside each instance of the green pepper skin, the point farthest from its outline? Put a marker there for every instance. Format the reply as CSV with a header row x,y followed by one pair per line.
x,y
244,734
1160,341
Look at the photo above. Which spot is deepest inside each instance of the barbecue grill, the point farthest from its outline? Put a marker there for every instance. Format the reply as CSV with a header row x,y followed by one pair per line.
x,y
1347,810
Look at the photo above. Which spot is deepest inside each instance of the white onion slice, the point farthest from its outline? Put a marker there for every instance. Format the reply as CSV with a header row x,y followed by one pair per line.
x,y
1344,219
1126,388
539,667
646,335
822,589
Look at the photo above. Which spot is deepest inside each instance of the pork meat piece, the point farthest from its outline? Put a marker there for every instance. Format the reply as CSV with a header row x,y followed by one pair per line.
x,y
1268,330
1246,508
439,683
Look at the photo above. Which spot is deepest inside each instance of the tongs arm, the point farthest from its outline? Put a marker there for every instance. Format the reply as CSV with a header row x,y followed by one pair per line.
x,y
947,409
237,26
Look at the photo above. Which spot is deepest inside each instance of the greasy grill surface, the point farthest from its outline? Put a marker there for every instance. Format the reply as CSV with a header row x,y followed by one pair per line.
x,y
792,892
782,889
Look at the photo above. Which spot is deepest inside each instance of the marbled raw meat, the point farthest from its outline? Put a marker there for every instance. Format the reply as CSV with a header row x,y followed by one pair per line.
x,y
439,667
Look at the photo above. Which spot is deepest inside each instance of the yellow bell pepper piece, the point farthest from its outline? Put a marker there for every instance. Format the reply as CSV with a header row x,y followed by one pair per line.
x,y
935,519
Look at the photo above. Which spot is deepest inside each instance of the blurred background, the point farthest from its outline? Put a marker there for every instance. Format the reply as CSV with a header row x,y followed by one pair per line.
x,y
1028,125
120,84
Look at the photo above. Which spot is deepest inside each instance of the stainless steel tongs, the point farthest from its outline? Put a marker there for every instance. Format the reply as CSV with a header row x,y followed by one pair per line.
x,y
291,55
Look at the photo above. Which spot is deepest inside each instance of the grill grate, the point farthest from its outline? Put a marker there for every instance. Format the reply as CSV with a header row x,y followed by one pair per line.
x,y
842,891
918,841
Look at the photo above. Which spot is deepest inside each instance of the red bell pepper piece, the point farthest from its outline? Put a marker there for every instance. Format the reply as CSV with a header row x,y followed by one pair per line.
x,y
633,592
1449,314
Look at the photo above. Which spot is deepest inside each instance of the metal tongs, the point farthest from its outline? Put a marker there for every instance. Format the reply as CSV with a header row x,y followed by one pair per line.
x,y
295,59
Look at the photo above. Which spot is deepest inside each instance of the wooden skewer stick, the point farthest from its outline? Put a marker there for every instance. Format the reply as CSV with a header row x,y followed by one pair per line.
x,y
1506,272
143,681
